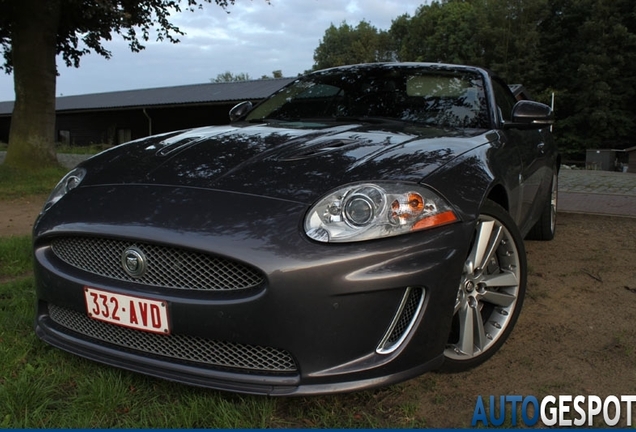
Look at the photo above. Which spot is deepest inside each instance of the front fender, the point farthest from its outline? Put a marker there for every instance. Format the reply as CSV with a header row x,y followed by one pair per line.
x,y
487,171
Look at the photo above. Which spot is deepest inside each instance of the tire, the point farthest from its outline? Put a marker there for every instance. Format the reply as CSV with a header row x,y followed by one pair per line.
x,y
545,228
491,292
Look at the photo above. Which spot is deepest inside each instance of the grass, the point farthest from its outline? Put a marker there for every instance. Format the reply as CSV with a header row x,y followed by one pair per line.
x,y
72,149
15,256
88,150
16,183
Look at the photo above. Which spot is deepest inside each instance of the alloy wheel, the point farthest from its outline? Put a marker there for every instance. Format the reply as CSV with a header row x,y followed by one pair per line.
x,y
490,290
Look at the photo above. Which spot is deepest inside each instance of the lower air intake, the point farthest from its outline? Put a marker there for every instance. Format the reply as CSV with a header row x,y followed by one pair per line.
x,y
182,347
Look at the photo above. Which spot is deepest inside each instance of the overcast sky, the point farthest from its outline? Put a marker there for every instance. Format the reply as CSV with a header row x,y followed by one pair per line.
x,y
254,38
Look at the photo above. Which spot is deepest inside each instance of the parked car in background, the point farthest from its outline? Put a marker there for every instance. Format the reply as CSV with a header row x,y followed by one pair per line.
x,y
357,228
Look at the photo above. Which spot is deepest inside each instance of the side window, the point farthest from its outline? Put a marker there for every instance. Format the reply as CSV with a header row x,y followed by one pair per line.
x,y
505,100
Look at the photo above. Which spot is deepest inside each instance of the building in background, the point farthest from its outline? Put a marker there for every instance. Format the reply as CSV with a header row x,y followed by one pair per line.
x,y
116,117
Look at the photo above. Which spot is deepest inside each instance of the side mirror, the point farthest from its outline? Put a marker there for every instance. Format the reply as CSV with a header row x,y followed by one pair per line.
x,y
240,110
531,115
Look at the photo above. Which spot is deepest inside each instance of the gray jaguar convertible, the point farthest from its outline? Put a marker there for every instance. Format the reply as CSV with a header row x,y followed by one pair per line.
x,y
359,227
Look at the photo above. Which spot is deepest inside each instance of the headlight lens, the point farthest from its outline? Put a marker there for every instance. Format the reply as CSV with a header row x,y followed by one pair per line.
x,y
69,182
368,211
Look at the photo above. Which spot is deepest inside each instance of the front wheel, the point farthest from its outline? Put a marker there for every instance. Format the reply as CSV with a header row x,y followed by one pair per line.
x,y
491,291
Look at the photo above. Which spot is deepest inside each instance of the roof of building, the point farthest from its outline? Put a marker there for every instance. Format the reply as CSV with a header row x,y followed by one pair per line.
x,y
194,94
179,95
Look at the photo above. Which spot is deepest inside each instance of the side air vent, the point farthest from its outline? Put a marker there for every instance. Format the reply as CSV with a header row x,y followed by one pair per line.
x,y
403,321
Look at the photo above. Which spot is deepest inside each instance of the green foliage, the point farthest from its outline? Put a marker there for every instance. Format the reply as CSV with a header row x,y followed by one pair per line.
x,y
346,45
84,25
441,33
583,51
275,74
591,65
230,77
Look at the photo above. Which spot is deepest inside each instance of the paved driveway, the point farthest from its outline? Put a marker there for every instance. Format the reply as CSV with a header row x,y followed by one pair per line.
x,y
597,192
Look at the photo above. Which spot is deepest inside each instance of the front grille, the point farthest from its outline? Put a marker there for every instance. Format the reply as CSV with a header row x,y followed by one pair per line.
x,y
166,266
403,320
182,347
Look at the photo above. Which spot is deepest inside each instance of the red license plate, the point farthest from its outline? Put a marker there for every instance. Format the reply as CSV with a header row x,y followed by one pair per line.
x,y
127,311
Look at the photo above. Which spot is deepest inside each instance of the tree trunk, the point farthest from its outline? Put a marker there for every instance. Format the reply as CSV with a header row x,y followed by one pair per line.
x,y
34,36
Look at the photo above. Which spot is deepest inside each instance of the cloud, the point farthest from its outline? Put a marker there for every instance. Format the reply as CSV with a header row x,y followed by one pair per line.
x,y
254,38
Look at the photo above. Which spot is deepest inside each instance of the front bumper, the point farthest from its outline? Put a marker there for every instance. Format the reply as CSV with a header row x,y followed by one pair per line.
x,y
327,307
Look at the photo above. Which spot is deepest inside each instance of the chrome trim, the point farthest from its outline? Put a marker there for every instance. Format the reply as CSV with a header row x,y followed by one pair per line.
x,y
403,321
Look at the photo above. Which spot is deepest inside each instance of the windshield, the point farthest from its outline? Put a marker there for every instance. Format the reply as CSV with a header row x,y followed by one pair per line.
x,y
430,96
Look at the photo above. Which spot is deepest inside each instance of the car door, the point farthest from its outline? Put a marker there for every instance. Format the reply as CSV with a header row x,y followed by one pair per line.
x,y
530,145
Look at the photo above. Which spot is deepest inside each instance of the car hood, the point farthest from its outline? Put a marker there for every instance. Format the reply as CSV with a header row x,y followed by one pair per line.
x,y
297,162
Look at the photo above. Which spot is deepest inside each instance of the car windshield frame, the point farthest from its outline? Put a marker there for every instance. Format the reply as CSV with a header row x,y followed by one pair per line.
x,y
429,96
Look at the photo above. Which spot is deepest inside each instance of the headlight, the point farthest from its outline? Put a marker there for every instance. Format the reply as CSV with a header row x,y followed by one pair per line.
x,y
69,182
368,211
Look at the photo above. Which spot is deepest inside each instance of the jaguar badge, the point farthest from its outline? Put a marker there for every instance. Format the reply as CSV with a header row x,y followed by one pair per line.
x,y
133,260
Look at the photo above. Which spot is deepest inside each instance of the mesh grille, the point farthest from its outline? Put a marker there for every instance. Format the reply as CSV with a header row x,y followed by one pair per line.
x,y
166,266
403,320
189,348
